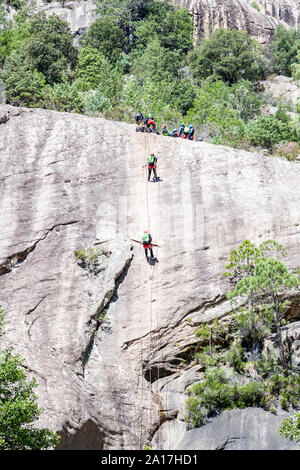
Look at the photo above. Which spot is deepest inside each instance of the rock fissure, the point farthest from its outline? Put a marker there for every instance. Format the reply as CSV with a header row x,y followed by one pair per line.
x,y
96,321
27,314
21,256
212,303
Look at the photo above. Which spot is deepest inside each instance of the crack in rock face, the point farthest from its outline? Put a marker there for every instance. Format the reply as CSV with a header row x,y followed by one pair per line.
x,y
118,382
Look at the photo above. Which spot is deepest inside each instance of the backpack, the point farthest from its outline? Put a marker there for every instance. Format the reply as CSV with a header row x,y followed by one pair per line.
x,y
147,238
151,159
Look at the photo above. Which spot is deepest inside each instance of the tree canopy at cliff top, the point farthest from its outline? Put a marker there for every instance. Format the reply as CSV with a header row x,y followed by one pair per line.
x,y
139,55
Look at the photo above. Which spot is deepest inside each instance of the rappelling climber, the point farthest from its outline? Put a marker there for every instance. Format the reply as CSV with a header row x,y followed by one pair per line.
x,y
152,159
147,243
139,118
191,132
181,129
165,130
174,133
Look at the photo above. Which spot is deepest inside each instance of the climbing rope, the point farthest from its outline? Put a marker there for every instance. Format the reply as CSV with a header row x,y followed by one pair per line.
x,y
151,300
147,149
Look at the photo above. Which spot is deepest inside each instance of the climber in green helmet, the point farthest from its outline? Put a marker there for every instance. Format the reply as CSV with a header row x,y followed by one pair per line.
x,y
147,244
152,159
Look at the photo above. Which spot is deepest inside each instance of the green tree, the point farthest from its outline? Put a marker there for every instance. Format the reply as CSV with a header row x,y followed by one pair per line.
x,y
269,278
227,55
23,83
157,63
290,428
93,71
213,111
124,13
18,407
105,36
50,46
284,49
13,38
244,100
295,67
173,28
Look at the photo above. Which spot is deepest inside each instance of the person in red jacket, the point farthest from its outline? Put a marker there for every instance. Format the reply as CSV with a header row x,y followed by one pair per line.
x,y
151,125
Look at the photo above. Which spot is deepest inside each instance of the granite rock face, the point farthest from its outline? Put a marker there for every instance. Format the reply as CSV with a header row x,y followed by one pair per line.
x,y
258,18
111,349
250,428
281,89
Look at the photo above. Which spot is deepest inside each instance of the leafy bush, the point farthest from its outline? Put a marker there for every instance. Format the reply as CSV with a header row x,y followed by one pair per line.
x,y
215,394
253,326
90,257
267,131
63,97
235,357
254,5
290,428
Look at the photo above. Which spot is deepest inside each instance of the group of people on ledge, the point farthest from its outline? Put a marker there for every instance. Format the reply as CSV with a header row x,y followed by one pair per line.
x,y
148,123
185,132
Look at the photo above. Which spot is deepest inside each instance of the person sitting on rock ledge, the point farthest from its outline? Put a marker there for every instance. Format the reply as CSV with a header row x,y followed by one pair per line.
x,y
191,132
165,130
139,118
174,133
151,126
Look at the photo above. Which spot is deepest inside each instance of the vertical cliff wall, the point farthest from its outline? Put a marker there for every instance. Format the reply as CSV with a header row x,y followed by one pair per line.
x,y
259,20
70,181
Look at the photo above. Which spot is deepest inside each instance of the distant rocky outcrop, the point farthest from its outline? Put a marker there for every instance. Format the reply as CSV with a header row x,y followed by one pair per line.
x,y
259,18
278,89
80,14
111,350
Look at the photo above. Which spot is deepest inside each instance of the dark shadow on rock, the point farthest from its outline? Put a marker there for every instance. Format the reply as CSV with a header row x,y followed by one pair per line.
x,y
93,271
152,261
88,437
